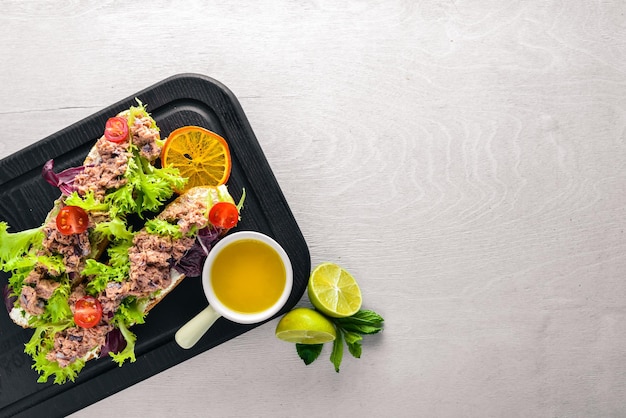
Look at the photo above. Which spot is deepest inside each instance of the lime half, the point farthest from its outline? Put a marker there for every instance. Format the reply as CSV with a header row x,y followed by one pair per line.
x,y
305,326
333,291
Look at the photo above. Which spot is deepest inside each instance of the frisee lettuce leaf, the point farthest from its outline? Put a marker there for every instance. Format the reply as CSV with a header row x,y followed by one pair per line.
x,y
147,189
40,344
87,202
131,311
161,227
118,254
16,244
140,111
121,201
170,175
20,268
118,266
154,185
57,308
101,274
128,353
241,200
25,263
53,263
114,229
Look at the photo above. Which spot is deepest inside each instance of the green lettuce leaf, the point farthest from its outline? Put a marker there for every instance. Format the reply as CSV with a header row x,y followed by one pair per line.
x,y
57,308
161,227
17,244
87,202
118,255
131,311
115,229
100,274
241,200
140,111
40,344
128,353
154,186
121,201
21,267
53,263
147,189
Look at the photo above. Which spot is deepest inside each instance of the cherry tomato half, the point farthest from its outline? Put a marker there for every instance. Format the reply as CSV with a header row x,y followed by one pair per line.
x,y
72,220
116,129
87,312
224,215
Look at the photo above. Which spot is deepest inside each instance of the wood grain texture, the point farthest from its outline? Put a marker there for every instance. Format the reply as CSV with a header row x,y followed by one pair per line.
x,y
464,160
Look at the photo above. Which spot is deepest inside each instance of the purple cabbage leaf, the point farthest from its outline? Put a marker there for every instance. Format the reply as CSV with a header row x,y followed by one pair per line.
x,y
114,343
192,262
63,180
9,298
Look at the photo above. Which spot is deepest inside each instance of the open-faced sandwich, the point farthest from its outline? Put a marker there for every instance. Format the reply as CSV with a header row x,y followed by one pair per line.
x,y
115,243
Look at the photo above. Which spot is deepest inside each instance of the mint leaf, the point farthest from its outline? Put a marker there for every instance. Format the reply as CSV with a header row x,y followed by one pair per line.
x,y
368,316
337,354
309,352
362,322
360,328
350,330
353,341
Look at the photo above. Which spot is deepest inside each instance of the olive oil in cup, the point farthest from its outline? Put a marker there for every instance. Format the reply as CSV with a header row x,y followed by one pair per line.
x,y
247,278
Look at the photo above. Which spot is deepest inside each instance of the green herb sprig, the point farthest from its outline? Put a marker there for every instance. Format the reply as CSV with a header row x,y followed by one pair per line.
x,y
350,330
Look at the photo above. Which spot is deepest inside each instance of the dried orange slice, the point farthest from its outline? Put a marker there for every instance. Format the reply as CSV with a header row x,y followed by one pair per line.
x,y
200,155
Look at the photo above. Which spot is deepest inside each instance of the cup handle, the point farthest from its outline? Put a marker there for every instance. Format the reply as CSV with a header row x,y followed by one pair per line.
x,y
190,333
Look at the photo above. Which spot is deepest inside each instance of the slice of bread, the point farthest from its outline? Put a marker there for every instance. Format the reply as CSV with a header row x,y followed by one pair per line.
x,y
22,318
18,314
176,279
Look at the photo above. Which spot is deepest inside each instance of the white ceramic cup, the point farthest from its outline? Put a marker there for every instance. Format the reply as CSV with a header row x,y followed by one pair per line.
x,y
190,333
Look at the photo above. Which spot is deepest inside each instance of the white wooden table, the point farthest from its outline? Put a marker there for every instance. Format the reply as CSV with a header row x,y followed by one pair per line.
x,y
464,160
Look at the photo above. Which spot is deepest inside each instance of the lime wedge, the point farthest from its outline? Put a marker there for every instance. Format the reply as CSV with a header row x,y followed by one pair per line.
x,y
305,326
333,291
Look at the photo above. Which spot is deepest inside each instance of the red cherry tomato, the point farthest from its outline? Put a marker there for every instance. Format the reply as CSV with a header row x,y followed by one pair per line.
x,y
87,312
224,215
116,129
72,220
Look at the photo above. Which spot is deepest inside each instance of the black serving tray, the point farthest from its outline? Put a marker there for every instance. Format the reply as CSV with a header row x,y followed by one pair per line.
x,y
25,199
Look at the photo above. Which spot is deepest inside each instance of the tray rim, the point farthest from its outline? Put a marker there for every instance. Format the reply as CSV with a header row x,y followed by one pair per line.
x,y
231,114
